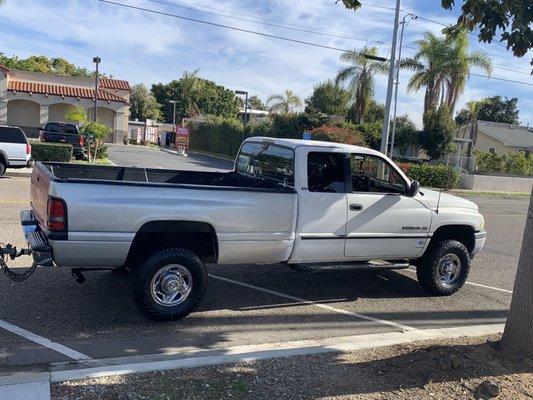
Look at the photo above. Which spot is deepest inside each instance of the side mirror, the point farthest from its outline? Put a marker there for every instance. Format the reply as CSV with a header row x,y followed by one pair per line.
x,y
413,189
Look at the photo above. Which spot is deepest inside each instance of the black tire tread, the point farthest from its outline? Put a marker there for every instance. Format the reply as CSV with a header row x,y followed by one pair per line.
x,y
144,300
427,267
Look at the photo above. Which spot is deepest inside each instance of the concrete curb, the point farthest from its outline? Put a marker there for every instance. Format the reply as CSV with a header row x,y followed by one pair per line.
x,y
34,386
174,152
197,357
22,172
205,153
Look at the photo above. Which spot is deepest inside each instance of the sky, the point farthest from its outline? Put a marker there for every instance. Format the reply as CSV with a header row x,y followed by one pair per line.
x,y
149,48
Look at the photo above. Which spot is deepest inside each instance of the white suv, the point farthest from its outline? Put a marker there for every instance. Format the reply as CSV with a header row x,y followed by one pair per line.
x,y
15,151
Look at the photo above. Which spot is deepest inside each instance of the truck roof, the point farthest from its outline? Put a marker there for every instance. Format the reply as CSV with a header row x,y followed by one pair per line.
x,y
293,143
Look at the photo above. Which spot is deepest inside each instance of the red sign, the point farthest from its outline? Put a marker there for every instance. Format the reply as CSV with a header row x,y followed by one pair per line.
x,y
182,138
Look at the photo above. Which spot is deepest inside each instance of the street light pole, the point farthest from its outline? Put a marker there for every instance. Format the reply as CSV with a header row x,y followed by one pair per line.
x,y
397,82
173,114
97,61
386,118
243,92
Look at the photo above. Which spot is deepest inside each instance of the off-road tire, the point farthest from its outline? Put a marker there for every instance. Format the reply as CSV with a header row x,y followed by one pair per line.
x,y
144,273
427,268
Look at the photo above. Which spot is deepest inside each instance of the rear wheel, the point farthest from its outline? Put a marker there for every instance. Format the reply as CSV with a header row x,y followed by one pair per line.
x,y
444,269
2,167
170,284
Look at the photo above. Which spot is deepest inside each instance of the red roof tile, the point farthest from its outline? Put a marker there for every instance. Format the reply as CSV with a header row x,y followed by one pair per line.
x,y
118,84
60,90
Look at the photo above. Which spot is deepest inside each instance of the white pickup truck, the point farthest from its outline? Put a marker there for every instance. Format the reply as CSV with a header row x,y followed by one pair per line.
x,y
309,204
15,151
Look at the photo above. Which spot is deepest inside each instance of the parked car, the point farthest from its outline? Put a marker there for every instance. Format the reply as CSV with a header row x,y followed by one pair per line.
x,y
15,151
64,132
308,204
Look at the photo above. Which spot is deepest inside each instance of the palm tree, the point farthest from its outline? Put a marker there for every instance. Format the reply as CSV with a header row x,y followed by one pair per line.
x,y
460,63
360,76
189,85
430,65
471,126
442,65
284,103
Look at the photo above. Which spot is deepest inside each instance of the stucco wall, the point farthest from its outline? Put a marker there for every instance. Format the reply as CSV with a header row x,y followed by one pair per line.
x,y
499,183
485,142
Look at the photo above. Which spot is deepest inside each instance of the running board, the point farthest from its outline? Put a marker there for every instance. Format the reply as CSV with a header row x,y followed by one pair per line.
x,y
355,266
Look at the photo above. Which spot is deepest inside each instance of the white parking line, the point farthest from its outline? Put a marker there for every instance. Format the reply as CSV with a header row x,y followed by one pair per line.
x,y
476,284
43,341
316,304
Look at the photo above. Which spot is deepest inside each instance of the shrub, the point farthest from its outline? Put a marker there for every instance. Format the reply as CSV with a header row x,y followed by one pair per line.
x,y
51,152
516,164
434,175
338,133
219,135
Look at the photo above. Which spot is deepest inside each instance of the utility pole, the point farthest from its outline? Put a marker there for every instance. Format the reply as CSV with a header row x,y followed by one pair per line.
x,y
97,61
386,118
397,82
173,102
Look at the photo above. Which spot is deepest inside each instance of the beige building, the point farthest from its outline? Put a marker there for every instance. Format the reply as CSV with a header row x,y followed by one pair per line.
x,y
30,99
500,138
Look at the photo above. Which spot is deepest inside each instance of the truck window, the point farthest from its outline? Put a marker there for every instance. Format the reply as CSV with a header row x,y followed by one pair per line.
x,y
267,161
374,174
12,135
325,172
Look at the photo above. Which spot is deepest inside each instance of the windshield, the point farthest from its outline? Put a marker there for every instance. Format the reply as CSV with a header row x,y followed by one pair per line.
x,y
267,161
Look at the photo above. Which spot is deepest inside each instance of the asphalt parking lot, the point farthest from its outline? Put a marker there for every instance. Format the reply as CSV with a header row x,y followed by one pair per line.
x,y
50,318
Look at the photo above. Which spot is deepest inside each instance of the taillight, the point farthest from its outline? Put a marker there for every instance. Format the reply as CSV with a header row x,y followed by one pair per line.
x,y
57,215
28,148
82,141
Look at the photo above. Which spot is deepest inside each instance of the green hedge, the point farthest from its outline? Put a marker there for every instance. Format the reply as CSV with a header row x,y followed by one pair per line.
x,y
51,151
516,164
435,176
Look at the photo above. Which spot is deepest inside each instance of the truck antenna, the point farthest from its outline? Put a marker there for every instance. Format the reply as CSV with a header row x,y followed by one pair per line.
x,y
446,184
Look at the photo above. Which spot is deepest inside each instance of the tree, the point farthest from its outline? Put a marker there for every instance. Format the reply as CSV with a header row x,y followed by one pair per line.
x,y
194,95
360,77
514,18
459,66
406,134
45,65
284,103
471,115
437,135
518,333
376,112
329,98
143,104
496,109
256,103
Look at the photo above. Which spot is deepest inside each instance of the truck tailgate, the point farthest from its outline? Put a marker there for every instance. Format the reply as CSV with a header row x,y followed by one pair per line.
x,y
39,190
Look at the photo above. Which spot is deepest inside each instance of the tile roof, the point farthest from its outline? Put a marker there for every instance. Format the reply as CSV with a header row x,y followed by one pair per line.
x,y
62,90
108,83
510,135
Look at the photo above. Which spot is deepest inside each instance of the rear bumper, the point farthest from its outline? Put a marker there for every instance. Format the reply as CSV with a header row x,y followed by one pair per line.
x,y
36,239
479,241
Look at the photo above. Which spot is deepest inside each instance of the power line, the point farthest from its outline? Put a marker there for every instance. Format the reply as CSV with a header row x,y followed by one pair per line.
x,y
262,33
263,22
223,26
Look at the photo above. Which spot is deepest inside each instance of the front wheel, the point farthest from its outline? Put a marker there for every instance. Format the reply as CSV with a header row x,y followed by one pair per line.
x,y
170,284
443,270
2,168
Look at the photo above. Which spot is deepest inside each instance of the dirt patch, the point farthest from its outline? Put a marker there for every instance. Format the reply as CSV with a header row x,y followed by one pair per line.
x,y
469,368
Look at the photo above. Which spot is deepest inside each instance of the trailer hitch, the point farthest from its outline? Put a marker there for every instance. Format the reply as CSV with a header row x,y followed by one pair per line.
x,y
10,252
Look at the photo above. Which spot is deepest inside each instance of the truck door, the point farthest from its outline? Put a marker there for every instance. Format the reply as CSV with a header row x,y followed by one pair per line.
x,y
321,214
383,222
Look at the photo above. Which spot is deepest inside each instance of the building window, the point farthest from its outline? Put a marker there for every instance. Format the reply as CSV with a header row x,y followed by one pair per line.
x,y
492,150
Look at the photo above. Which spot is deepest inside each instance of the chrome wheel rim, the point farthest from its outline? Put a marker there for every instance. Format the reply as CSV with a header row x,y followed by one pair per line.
x,y
171,285
449,269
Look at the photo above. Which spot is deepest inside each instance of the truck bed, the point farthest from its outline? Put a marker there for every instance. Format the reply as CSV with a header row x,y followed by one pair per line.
x,y
154,176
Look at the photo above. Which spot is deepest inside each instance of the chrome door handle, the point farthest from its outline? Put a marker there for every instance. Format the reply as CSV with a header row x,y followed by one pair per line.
x,y
356,207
